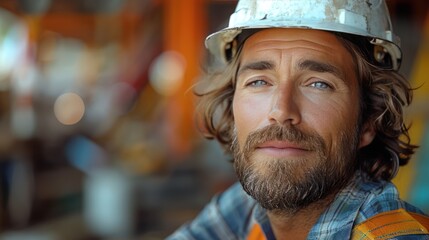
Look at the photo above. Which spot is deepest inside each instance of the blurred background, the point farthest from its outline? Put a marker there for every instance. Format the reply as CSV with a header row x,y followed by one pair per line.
x,y
97,134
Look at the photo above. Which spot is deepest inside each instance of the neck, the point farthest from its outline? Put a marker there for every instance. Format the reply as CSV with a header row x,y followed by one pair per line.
x,y
297,224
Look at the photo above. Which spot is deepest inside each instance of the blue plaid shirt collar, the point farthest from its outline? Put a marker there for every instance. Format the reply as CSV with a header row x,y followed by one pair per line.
x,y
232,214
347,209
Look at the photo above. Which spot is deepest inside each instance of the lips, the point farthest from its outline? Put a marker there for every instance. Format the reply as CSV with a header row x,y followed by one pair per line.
x,y
281,145
281,149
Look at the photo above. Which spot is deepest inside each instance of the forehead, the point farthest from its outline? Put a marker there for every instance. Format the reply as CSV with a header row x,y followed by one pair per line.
x,y
311,43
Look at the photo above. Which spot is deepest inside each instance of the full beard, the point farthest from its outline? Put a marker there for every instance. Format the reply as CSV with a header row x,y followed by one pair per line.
x,y
289,185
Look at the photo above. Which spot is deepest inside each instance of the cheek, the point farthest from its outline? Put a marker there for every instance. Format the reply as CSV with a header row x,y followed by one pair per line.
x,y
249,114
340,107
331,119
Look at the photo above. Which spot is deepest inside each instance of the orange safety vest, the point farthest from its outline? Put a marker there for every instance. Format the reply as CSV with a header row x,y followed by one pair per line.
x,y
381,226
391,224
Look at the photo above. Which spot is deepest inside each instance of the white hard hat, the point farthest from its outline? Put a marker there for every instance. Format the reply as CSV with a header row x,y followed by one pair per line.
x,y
369,19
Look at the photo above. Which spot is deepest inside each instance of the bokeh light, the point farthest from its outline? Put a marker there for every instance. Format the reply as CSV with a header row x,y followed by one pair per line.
x,y
69,108
166,72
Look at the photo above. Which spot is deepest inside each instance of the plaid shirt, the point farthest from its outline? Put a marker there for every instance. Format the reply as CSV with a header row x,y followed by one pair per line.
x,y
232,214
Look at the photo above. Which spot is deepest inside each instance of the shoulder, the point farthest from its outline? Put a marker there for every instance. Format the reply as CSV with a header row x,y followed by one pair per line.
x,y
394,224
225,217
383,197
383,212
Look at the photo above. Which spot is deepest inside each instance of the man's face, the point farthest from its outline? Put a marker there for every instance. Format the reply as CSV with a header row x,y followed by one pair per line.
x,y
296,109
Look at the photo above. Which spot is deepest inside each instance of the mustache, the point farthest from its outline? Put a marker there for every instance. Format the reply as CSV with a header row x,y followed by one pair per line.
x,y
308,140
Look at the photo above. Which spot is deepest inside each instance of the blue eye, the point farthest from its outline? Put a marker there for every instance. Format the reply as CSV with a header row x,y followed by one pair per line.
x,y
257,83
320,85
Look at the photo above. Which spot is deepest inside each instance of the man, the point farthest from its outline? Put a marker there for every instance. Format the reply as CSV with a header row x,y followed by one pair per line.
x,y
309,101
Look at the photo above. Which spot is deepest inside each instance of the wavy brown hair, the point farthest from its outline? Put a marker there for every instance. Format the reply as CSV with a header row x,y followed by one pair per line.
x,y
383,94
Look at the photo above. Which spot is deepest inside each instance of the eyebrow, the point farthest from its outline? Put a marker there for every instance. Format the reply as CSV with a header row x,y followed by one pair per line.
x,y
306,64
321,67
259,65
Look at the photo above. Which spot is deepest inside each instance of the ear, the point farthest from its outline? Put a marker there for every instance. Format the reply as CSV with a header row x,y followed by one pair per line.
x,y
367,135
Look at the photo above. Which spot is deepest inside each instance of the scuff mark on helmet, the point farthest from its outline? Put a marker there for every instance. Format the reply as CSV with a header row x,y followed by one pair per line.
x,y
368,2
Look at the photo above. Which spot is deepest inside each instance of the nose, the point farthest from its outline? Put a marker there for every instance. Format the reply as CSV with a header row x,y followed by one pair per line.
x,y
285,107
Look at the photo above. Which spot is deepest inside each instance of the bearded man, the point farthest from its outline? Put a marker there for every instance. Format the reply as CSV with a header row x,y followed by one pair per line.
x,y
310,103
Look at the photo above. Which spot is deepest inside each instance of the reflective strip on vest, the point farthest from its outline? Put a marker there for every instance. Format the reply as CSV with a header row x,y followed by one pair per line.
x,y
391,224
